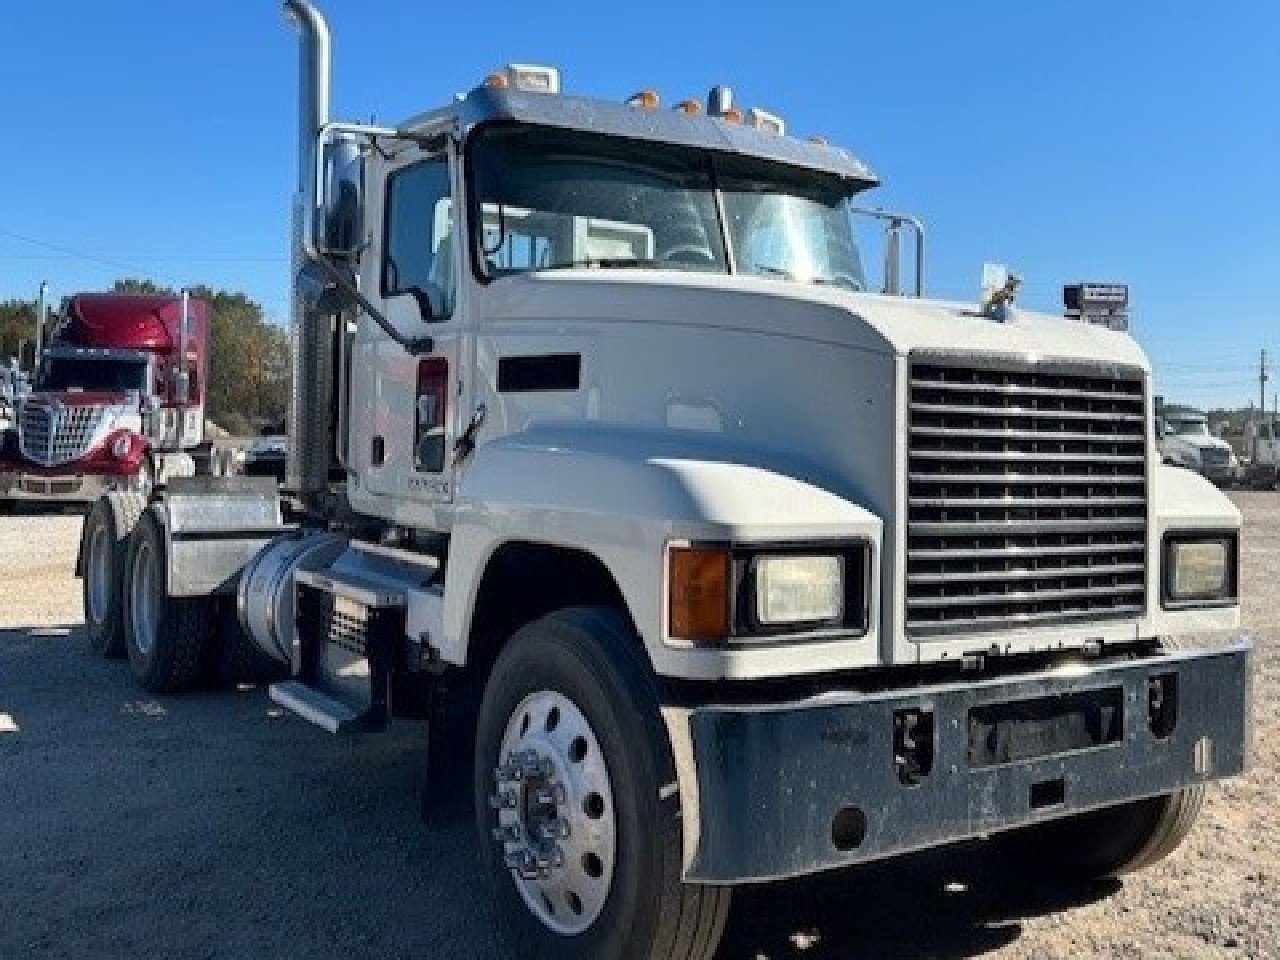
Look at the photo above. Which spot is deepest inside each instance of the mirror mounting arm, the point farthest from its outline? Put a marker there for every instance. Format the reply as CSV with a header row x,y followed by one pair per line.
x,y
414,346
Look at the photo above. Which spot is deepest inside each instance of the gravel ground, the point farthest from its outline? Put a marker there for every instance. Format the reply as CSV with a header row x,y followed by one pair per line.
x,y
213,826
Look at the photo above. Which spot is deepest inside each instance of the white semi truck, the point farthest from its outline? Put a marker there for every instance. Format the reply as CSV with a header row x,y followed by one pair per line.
x,y
732,564
1185,440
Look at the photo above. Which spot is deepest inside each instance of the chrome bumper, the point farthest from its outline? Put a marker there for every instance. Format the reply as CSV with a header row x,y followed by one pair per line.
x,y
789,789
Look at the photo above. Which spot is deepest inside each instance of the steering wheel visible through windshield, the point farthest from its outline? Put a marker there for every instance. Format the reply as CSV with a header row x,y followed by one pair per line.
x,y
555,199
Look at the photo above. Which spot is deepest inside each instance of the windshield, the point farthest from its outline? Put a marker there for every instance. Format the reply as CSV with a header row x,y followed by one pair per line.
x,y
551,199
91,374
1189,428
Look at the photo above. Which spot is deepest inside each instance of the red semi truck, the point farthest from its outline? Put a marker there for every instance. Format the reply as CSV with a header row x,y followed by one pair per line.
x,y
117,403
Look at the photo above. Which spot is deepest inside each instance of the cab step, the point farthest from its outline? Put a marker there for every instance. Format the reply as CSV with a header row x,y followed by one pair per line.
x,y
316,706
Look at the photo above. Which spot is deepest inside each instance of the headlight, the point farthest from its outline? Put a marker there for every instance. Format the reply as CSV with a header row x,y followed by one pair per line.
x,y
1199,569
798,590
720,594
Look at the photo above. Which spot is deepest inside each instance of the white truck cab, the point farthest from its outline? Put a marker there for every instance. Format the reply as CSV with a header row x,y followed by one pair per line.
x,y
733,561
1185,440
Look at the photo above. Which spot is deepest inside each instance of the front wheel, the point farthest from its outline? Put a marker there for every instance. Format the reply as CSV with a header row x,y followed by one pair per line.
x,y
581,838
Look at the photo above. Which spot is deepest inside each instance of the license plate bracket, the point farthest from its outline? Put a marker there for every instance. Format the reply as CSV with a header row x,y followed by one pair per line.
x,y
1021,730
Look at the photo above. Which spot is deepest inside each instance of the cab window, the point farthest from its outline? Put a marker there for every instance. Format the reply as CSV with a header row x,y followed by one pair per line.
x,y
418,243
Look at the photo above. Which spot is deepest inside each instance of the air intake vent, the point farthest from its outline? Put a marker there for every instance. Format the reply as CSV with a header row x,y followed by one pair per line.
x,y
1027,496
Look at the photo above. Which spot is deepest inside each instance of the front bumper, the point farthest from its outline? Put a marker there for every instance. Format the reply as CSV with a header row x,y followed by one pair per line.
x,y
784,790
65,488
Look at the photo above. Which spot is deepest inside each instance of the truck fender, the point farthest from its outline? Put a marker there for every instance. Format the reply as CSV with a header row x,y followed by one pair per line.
x,y
622,495
213,526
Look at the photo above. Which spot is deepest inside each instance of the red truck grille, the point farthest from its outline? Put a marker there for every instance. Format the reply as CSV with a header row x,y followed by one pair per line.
x,y
53,434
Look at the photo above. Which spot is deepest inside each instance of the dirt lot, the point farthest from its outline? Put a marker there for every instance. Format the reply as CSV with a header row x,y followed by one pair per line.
x,y
212,826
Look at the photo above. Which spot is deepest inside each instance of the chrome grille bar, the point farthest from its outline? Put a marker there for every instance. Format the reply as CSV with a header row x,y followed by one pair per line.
x,y
52,434
1027,495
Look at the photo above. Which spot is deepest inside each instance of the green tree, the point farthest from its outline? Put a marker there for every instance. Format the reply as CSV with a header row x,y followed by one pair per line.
x,y
17,327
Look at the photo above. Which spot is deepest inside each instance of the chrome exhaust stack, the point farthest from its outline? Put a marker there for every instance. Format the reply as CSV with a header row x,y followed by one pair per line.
x,y
42,311
312,335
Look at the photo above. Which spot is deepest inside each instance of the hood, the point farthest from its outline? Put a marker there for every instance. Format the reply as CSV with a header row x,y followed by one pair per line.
x,y
896,326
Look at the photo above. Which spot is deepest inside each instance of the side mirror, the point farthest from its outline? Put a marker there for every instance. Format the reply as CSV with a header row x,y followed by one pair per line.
x,y
343,202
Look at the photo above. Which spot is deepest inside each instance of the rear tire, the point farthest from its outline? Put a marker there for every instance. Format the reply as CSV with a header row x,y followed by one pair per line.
x,y
590,661
1112,841
167,638
105,545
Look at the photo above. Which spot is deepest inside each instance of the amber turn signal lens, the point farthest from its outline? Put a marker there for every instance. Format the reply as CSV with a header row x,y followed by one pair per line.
x,y
644,100
497,81
691,107
733,115
699,595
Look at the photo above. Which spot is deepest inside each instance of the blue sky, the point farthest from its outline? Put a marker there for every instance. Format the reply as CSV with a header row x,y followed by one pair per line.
x,y
1136,141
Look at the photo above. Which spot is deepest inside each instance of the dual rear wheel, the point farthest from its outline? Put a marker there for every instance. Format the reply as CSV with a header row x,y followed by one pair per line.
x,y
172,643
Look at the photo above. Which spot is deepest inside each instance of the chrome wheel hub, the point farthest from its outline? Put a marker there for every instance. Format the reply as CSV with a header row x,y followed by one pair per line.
x,y
553,802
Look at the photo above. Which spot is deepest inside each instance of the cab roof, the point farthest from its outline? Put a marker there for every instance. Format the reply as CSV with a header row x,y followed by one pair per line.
x,y
485,105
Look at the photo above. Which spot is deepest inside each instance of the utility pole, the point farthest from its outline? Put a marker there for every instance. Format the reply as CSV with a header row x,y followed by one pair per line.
x,y
41,308
1262,402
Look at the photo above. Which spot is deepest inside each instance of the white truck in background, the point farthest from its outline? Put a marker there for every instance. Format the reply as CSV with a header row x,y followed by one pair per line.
x,y
1262,441
725,562
1185,440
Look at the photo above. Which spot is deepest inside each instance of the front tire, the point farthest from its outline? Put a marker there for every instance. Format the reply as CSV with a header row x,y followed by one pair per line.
x,y
167,638
582,842
1115,840
105,547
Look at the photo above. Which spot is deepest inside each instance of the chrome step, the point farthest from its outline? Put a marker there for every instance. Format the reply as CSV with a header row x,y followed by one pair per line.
x,y
316,706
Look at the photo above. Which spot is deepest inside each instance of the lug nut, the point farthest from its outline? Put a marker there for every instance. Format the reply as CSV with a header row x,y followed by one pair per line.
x,y
552,795
555,829
504,800
508,773
511,833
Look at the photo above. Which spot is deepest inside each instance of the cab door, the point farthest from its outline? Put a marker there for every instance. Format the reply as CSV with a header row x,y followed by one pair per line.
x,y
404,423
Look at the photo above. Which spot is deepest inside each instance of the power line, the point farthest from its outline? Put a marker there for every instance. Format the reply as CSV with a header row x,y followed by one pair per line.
x,y
79,255
146,258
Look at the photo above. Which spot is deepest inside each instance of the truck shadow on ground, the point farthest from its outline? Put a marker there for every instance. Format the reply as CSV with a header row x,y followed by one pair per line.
x,y
310,846
951,903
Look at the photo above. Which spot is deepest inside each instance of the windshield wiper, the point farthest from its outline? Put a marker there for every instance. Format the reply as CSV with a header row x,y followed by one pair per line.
x,y
606,263
787,274
815,279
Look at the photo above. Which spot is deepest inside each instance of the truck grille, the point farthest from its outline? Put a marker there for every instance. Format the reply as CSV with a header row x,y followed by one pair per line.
x,y
1027,496
54,435
1215,456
